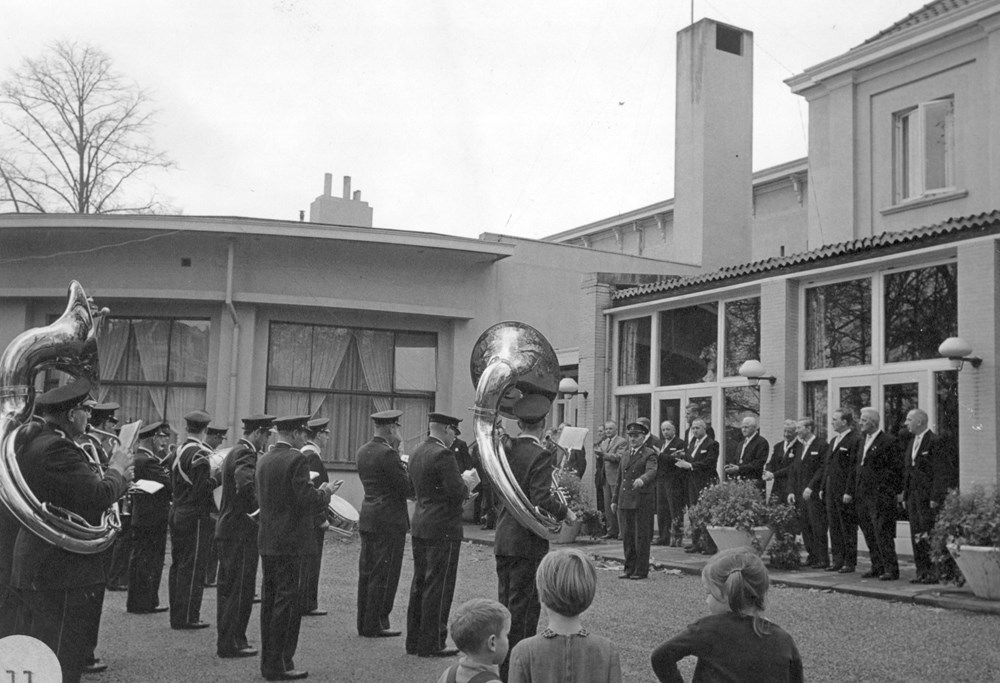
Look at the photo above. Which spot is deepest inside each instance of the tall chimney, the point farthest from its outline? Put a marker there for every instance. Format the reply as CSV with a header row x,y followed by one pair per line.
x,y
347,187
713,170
356,196
327,184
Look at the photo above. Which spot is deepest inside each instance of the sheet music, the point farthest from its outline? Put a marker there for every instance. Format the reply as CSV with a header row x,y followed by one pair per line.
x,y
147,486
572,438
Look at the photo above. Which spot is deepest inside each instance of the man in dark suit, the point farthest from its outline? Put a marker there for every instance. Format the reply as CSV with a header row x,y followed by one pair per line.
x,y
191,529
671,488
149,522
236,538
609,451
635,500
518,550
289,504
700,460
599,480
807,474
692,412
437,538
383,525
60,591
312,564
876,481
925,485
753,454
841,461
779,464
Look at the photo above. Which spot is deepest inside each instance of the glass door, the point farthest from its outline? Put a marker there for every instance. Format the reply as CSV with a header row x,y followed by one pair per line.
x,y
683,406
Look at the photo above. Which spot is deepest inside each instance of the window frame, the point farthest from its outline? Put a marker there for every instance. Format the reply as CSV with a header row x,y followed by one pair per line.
x,y
910,154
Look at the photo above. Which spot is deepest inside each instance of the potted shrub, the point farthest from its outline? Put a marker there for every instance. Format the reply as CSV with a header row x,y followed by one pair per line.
x,y
589,520
735,514
965,542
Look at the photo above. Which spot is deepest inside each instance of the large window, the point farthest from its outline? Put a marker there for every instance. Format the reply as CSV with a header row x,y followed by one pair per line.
x,y
347,374
742,333
633,351
689,344
740,402
155,368
921,311
839,324
924,149
815,405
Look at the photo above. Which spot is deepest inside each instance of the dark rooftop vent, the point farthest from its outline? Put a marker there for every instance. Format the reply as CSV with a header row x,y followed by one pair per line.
x,y
728,39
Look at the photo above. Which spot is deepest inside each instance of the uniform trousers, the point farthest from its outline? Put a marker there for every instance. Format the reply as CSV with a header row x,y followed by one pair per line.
x,y
435,567
212,563
66,620
812,519
610,518
922,518
311,565
517,591
877,520
188,555
379,567
280,613
145,569
237,582
637,533
843,527
122,551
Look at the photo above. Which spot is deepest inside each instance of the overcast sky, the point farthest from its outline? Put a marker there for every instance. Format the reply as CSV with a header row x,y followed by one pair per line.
x,y
451,116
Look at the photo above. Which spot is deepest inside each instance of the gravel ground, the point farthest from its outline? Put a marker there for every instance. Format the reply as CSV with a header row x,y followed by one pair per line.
x,y
840,637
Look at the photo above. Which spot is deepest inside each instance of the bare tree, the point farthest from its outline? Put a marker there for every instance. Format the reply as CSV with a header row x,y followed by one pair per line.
x,y
77,132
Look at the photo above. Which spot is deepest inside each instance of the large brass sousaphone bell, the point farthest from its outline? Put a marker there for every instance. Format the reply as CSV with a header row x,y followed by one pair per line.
x,y
68,344
511,359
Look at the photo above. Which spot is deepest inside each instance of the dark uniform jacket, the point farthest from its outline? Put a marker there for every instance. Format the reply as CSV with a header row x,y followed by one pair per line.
x,y
704,460
879,474
841,461
532,468
151,509
751,466
387,486
239,493
639,464
58,472
667,457
926,479
440,492
288,503
193,483
311,451
807,468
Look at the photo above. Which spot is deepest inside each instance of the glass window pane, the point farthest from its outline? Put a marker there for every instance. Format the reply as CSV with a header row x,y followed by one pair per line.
x,y
350,425
290,355
899,400
855,398
329,345
415,362
921,311
946,398
689,344
350,375
281,403
182,400
739,402
152,342
838,324
937,132
631,408
815,405
189,351
413,423
742,333
633,351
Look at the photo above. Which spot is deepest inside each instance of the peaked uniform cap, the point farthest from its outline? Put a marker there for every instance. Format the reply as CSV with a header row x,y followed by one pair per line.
x,y
197,420
290,423
65,397
259,421
636,427
441,418
218,431
154,429
532,408
387,416
318,424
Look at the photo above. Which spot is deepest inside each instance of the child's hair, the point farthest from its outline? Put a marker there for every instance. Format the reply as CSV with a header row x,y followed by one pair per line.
x,y
475,621
741,579
567,581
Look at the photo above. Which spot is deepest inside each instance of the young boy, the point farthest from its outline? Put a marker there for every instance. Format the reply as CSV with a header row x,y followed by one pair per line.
x,y
479,629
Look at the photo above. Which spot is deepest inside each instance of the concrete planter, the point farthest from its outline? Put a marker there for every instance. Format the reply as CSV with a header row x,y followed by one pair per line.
x,y
980,566
727,537
568,532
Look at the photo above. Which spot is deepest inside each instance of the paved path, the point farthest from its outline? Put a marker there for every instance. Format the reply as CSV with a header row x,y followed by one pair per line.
x,y
945,596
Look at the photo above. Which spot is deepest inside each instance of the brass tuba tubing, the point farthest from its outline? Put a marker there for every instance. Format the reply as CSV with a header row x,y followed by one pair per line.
x,y
68,344
510,359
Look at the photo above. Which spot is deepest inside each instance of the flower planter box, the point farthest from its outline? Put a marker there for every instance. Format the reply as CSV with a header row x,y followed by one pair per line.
x,y
980,566
727,537
568,532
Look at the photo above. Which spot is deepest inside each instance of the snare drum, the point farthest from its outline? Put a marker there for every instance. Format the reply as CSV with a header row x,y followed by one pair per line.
x,y
343,517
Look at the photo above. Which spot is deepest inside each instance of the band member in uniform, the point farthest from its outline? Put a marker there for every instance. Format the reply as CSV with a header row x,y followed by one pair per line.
x,y
149,521
437,538
383,525
519,550
59,590
191,528
236,538
311,564
289,504
635,500
214,438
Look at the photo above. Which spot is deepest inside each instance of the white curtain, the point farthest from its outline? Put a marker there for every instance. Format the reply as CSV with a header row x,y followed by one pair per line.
x,y
111,344
330,345
151,343
375,349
